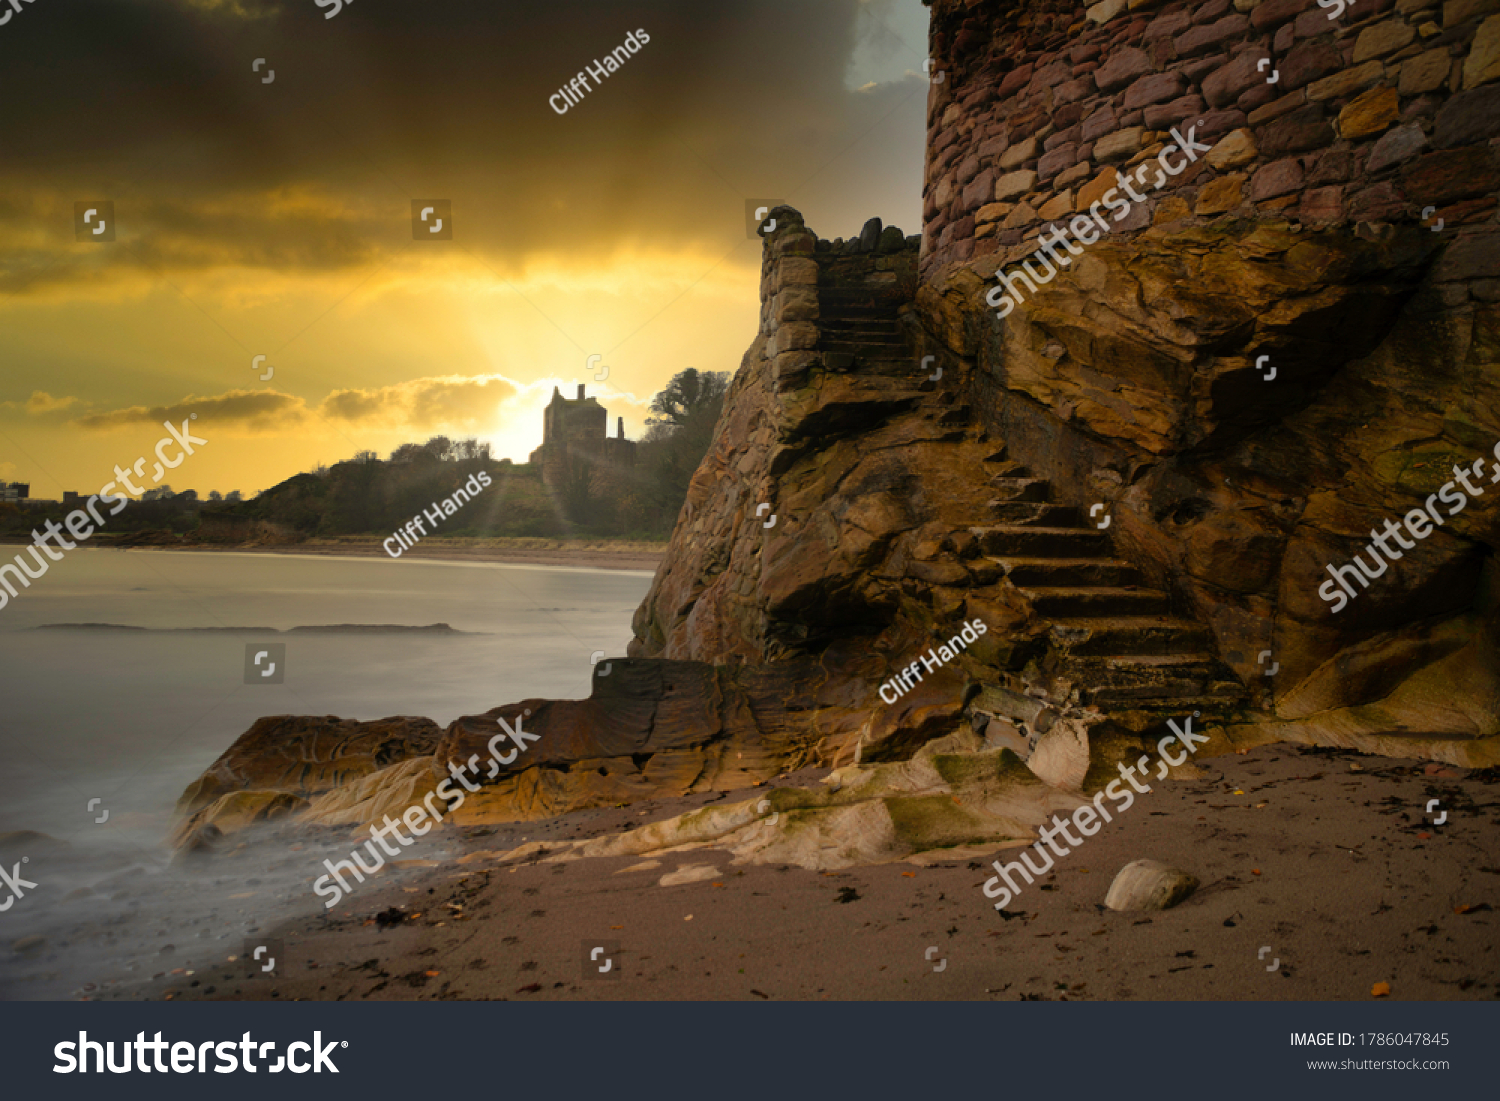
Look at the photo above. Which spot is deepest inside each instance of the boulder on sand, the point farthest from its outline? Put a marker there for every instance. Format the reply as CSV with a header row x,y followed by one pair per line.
x,y
1149,885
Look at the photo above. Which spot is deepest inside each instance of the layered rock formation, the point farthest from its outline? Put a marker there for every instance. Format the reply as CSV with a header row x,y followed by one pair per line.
x,y
1135,480
1307,242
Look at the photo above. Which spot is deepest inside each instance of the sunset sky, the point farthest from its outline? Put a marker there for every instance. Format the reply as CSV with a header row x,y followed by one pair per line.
x,y
275,218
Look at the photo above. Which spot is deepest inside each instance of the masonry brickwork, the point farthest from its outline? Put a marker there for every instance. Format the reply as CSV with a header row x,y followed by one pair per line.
x,y
1386,113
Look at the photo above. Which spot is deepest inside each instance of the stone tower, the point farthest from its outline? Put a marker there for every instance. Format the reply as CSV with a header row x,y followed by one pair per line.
x,y
579,426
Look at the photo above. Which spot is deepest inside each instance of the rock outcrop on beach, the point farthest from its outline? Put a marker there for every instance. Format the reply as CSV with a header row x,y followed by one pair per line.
x,y
1137,481
306,755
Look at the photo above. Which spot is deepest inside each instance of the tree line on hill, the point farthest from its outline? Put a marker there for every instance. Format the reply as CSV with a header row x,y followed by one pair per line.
x,y
367,496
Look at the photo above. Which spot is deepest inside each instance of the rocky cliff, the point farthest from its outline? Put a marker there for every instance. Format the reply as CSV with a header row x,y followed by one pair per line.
x,y
1140,480
1286,345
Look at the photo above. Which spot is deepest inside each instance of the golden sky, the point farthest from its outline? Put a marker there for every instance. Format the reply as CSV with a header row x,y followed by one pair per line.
x,y
275,219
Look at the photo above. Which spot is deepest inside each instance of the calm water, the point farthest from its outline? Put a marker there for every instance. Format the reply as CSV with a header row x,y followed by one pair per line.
x,y
133,717
130,718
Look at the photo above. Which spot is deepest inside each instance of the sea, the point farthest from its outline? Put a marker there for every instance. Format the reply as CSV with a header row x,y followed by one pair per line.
x,y
124,674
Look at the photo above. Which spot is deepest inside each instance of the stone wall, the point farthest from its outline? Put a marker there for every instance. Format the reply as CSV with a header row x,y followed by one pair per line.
x,y
1375,115
834,449
1250,387
795,262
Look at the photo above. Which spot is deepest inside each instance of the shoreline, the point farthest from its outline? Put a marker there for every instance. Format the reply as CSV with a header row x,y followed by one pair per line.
x,y
589,554
462,919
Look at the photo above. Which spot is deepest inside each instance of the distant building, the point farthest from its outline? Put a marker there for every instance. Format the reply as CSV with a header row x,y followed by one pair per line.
x,y
578,427
16,491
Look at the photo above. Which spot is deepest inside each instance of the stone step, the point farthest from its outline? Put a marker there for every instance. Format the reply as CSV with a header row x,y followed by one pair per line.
x,y
1170,707
1140,675
859,321
1036,514
1130,635
857,342
1007,468
1017,539
1062,604
1176,687
1173,707
1022,489
881,295
1027,571
842,324
961,414
1183,664
834,342
834,307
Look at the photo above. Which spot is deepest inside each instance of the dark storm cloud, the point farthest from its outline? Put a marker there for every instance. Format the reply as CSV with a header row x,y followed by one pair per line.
x,y
154,104
251,410
453,401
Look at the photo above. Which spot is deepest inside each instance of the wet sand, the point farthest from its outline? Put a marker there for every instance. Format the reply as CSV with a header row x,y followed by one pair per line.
x,y
1321,875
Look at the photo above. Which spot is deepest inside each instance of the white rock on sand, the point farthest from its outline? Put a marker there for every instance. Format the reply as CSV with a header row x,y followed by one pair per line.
x,y
1149,885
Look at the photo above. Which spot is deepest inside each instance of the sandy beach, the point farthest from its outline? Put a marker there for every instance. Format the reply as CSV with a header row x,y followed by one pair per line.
x,y
1322,875
585,553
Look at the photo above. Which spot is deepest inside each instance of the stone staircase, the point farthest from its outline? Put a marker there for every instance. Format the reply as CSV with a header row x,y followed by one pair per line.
x,y
1112,637
858,329
860,332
